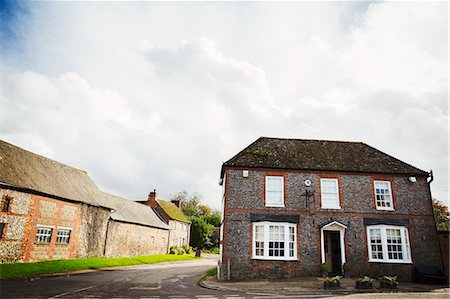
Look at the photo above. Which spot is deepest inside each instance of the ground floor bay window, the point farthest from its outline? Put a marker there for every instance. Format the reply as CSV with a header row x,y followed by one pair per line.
x,y
274,241
389,244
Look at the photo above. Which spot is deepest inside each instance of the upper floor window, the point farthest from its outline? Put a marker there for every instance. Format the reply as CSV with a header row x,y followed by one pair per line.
x,y
6,204
383,195
44,234
63,236
274,191
329,192
388,244
274,241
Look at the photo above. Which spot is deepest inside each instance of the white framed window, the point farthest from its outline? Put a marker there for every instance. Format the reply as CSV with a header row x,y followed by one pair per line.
x,y
383,195
329,191
389,244
274,191
44,234
63,236
274,241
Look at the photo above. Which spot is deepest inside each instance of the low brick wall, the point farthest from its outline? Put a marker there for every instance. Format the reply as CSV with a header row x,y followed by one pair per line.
x,y
444,244
126,239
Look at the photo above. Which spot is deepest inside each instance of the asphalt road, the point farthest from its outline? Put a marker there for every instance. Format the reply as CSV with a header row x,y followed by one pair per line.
x,y
166,280
176,280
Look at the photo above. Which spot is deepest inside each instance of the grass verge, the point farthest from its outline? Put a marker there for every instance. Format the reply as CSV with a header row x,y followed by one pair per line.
x,y
27,270
211,272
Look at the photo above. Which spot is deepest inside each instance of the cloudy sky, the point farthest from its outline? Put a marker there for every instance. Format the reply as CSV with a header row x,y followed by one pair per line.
x,y
147,95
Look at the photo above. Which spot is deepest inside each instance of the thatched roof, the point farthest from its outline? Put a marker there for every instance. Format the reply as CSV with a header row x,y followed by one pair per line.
x,y
133,212
318,155
22,169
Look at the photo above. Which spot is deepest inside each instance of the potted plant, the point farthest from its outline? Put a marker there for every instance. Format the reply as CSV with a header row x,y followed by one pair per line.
x,y
364,283
388,282
347,268
333,282
324,269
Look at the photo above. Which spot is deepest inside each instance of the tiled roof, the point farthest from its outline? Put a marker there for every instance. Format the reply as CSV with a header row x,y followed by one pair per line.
x,y
173,211
133,212
318,155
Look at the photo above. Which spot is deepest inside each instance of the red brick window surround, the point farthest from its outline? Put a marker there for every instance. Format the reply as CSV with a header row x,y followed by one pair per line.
x,y
274,190
383,195
329,193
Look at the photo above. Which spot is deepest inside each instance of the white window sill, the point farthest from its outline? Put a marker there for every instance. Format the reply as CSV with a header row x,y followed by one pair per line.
x,y
274,206
274,258
385,209
390,262
331,208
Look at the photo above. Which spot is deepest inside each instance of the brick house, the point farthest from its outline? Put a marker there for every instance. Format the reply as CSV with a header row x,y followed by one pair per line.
x,y
170,212
49,210
290,204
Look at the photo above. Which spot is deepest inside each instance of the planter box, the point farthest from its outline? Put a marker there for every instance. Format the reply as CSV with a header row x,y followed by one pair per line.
x,y
364,285
331,285
387,285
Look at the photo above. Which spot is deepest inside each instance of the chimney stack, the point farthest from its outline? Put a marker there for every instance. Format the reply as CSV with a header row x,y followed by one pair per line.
x,y
176,202
152,198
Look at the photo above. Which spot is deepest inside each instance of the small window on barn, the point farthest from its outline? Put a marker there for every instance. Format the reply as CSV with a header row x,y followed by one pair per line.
x,y
63,236
152,240
44,234
2,230
6,203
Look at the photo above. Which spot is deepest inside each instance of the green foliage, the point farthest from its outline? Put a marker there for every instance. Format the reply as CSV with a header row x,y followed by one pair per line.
x,y
200,233
347,267
205,223
212,272
26,270
334,279
215,250
441,215
365,279
255,152
185,249
324,267
389,279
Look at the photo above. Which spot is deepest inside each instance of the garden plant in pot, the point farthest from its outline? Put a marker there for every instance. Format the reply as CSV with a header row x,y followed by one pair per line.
x,y
364,283
324,269
332,282
388,282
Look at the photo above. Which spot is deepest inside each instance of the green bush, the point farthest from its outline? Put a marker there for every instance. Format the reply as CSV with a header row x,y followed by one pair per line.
x,y
188,249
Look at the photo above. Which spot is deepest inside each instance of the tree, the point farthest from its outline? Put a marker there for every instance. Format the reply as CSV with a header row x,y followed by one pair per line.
x,y
205,223
200,232
441,215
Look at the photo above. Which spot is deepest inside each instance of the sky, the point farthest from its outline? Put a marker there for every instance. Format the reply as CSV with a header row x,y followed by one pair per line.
x,y
157,95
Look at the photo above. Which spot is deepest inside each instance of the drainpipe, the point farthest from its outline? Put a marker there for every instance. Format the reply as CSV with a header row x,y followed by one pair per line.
x,y
431,179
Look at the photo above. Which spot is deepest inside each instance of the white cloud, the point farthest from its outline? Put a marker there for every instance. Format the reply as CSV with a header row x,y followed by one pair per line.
x,y
158,95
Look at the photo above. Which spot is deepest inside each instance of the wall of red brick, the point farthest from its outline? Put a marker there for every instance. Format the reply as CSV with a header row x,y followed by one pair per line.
x,y
54,213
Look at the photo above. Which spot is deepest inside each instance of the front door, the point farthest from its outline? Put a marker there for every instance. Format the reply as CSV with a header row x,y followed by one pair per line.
x,y
332,245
